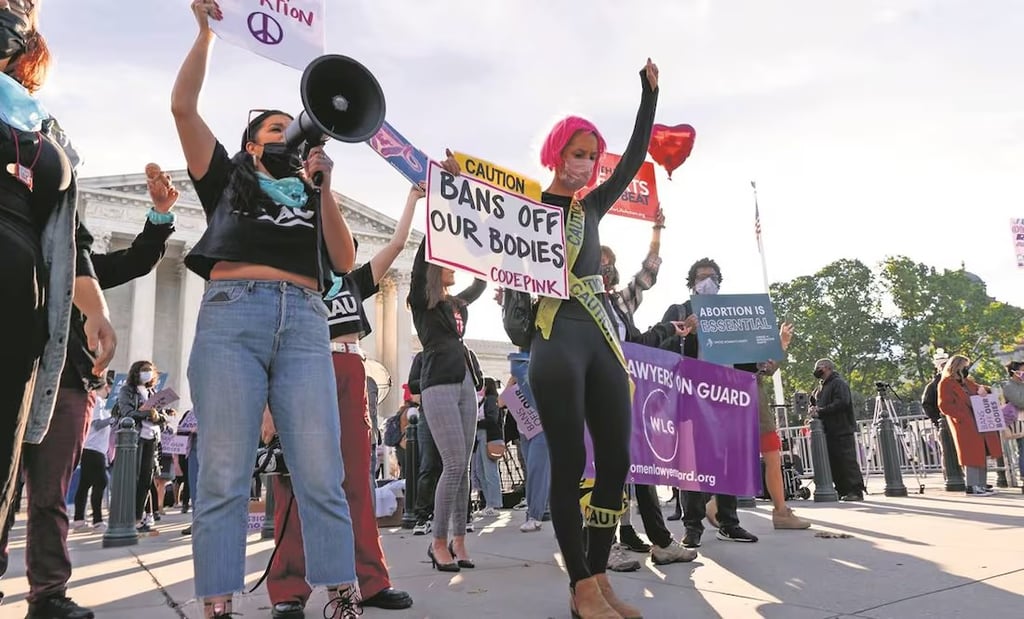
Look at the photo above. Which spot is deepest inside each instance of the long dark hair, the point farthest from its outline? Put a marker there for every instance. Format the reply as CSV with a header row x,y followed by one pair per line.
x,y
435,289
246,197
490,386
136,369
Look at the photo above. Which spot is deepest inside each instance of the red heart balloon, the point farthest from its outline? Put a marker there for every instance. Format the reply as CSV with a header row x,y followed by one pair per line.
x,y
670,146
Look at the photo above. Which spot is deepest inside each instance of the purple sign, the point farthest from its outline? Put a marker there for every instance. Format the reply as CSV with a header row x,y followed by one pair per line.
x,y
400,153
694,424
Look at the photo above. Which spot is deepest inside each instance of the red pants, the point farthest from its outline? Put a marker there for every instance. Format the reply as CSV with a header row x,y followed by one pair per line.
x,y
287,578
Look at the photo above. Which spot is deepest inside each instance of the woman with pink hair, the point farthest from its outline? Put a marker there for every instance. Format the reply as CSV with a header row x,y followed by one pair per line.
x,y
577,371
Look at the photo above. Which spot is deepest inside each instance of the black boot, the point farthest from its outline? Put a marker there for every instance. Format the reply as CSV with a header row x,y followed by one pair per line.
x,y
57,607
629,539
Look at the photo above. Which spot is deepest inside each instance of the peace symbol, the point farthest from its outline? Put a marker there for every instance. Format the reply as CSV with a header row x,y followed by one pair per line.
x,y
265,28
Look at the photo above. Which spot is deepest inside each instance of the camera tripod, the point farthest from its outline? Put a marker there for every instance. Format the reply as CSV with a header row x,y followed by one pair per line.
x,y
883,406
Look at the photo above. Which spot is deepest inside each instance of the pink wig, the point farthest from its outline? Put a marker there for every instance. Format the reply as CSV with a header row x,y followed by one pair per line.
x,y
558,138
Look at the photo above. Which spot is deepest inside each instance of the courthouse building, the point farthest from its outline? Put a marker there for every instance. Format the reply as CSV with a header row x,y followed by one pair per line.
x,y
155,316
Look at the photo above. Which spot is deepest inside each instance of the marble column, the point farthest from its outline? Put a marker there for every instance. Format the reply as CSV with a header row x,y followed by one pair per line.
x,y
403,333
140,334
191,295
387,353
100,241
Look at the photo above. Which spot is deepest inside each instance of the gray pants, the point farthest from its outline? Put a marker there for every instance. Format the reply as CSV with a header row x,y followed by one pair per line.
x,y
451,413
976,476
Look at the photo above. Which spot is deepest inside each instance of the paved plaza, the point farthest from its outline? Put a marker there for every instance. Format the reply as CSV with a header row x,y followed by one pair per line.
x,y
933,555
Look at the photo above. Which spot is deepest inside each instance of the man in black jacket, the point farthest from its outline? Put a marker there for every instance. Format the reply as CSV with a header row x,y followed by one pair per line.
x,y
833,404
48,466
930,397
430,459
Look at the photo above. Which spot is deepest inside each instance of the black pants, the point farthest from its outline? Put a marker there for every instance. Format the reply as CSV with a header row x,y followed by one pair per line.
x,y
649,506
93,476
575,377
145,489
430,470
842,459
186,495
695,508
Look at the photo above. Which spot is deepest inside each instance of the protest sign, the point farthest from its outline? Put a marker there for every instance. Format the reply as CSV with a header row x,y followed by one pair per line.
x,y
526,416
174,444
987,414
290,32
160,400
410,161
119,381
189,423
492,174
736,328
1017,229
694,424
640,198
484,230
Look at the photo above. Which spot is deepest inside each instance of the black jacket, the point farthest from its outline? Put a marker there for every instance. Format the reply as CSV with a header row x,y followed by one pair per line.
x,y
414,374
112,269
835,406
445,355
930,399
492,421
687,347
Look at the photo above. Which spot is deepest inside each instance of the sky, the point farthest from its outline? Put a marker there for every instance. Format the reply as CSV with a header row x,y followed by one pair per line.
x,y
872,128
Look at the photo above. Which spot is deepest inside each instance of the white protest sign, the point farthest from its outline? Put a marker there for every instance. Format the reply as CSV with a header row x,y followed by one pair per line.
x,y
987,414
290,32
507,238
526,416
174,444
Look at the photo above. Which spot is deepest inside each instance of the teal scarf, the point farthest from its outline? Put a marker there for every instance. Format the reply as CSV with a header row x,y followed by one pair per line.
x,y
18,108
290,191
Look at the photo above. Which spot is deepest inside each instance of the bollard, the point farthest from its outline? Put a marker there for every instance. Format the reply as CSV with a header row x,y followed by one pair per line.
x,y
824,488
950,461
267,531
411,470
121,531
890,458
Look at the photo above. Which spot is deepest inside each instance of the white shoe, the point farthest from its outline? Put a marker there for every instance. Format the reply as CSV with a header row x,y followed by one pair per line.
x,y
100,527
520,506
530,526
422,528
620,561
79,525
673,553
487,512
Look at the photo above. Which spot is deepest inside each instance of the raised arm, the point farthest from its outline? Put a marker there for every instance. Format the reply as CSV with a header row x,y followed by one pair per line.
x,y
197,141
418,281
473,291
605,194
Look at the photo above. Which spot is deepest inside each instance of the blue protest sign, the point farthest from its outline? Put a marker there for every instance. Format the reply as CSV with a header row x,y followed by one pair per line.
x,y
736,328
396,150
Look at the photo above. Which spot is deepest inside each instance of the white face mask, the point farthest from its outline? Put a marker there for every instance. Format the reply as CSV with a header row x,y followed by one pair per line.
x,y
145,377
576,172
708,285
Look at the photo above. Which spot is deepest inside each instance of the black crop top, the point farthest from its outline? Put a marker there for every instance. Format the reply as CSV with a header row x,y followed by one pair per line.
x,y
599,201
282,238
345,306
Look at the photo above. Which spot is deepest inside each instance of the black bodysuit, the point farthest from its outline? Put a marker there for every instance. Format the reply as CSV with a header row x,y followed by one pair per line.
x,y
576,376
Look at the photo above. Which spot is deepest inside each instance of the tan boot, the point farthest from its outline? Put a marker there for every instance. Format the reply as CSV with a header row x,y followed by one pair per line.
x,y
586,601
788,520
624,609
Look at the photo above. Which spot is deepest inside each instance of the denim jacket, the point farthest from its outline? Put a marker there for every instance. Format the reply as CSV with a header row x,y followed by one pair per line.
x,y
59,257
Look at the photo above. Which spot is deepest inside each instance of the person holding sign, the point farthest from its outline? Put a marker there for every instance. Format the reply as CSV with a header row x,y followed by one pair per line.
x,y
577,369
262,337
449,380
1013,393
972,447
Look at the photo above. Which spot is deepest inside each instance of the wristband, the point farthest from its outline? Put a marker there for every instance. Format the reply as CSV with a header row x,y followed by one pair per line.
x,y
659,226
160,219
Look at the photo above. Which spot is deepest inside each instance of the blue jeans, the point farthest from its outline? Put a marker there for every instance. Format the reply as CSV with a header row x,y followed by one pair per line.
x,y
535,450
1020,458
259,343
193,469
485,472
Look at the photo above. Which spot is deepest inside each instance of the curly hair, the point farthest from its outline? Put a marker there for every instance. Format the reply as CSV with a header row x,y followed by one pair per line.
x,y
691,277
31,66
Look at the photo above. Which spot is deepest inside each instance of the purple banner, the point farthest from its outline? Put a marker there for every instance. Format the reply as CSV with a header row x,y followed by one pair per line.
x,y
694,424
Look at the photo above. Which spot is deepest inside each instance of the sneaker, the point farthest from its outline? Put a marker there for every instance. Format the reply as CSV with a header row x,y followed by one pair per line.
x,y
979,491
530,526
673,553
736,534
487,512
422,527
143,528
691,539
632,541
520,506
853,497
619,561
469,527
79,525
100,527
788,520
187,530
57,607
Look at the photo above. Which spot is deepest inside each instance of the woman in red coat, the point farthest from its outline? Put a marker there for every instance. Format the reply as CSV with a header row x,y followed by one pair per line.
x,y
973,447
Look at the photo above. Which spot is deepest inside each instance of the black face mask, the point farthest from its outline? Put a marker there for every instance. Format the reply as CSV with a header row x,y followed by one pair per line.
x,y
610,275
14,32
819,373
280,160
964,372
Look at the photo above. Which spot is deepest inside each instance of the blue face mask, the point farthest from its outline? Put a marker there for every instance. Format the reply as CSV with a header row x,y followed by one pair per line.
x,y
288,191
18,108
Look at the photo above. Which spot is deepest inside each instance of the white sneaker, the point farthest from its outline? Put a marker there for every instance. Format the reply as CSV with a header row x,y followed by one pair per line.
x,y
79,525
487,512
422,527
620,561
100,527
530,526
673,553
520,506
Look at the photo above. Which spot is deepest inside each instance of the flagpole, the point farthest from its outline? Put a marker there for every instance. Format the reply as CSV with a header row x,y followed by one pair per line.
x,y
780,398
